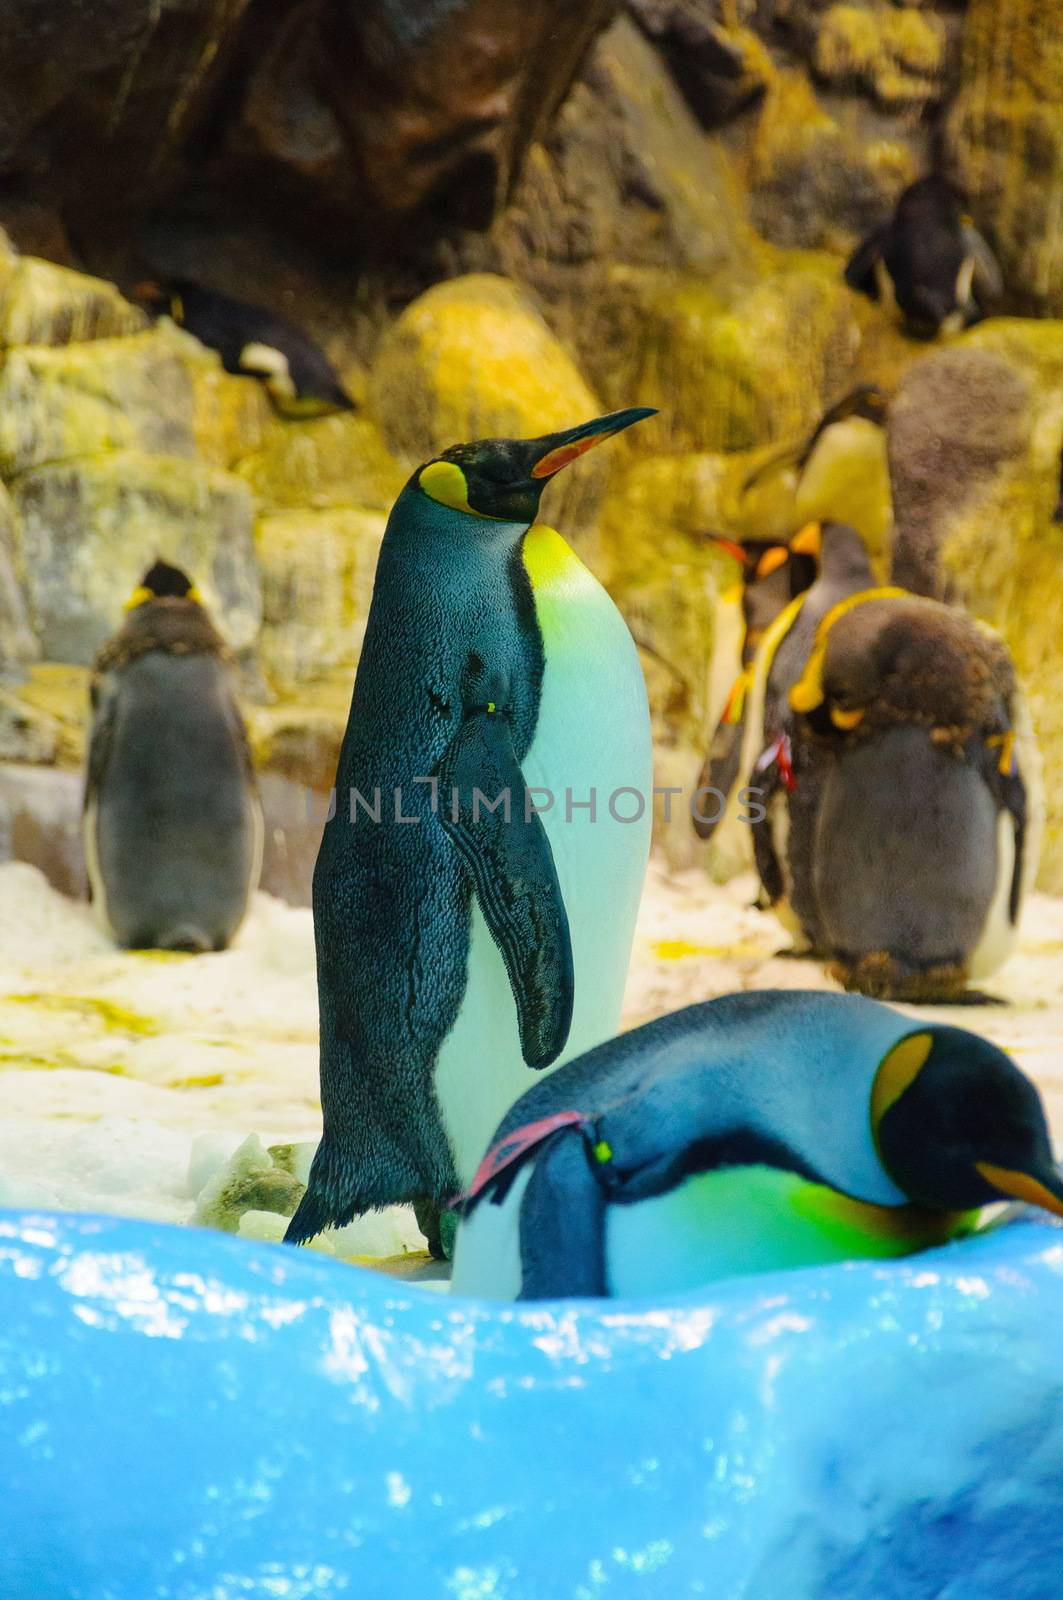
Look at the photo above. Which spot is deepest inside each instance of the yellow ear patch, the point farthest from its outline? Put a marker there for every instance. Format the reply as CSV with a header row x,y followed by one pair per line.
x,y
897,1070
1020,1186
445,482
847,720
138,598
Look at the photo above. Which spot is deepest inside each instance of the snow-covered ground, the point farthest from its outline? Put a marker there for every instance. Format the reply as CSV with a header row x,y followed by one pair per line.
x,y
128,1080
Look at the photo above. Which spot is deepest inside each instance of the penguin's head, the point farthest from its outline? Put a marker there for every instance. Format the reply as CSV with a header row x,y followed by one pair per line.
x,y
504,478
957,1124
163,582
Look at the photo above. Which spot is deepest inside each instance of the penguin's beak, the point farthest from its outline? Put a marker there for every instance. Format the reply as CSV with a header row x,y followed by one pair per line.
x,y
809,541
730,547
771,561
1043,1188
558,449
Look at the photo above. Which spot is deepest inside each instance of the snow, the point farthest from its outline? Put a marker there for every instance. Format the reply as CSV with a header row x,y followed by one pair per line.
x,y
130,1081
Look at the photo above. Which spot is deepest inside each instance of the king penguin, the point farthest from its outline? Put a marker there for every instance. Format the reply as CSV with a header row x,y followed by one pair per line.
x,y
753,1133
842,468
476,889
254,342
919,840
931,258
172,821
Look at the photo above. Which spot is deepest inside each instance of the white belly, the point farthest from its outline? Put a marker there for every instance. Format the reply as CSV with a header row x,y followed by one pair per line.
x,y
593,734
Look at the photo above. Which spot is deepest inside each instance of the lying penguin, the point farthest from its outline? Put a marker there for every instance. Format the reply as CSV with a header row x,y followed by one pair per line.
x,y
932,260
172,821
255,343
896,758
749,1134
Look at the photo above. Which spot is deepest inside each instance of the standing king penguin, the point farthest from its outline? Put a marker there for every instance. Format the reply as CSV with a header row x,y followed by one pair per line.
x,y
172,821
753,1133
461,947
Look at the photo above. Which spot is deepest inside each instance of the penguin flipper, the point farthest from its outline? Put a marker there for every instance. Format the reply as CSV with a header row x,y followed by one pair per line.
x,y
988,281
562,1224
720,772
484,812
101,736
860,268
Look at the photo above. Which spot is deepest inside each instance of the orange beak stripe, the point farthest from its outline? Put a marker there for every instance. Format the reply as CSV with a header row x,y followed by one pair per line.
x,y
554,460
1020,1186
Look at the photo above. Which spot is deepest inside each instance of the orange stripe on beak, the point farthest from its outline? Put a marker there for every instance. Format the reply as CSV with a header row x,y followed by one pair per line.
x,y
554,460
1020,1186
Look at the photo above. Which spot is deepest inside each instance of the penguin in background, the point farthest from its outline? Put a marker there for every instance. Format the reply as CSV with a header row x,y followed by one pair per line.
x,y
254,342
465,941
772,575
842,468
171,819
920,837
931,259
754,1133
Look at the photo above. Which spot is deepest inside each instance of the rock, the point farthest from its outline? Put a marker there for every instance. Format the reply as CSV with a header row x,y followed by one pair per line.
x,y
40,822
248,1181
896,55
87,530
72,401
729,373
814,182
326,463
438,100
357,111
720,69
41,303
17,642
317,572
1005,138
473,359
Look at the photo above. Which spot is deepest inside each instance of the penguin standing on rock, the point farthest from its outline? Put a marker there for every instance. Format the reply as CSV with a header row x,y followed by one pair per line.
x,y
172,821
255,343
753,1133
933,260
476,889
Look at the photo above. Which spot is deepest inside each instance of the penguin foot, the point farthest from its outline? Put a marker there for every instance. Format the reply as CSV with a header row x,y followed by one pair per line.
x,y
439,1225
884,976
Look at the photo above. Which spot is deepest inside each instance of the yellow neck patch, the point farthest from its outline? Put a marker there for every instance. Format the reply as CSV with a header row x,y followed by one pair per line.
x,y
898,1070
807,692
547,558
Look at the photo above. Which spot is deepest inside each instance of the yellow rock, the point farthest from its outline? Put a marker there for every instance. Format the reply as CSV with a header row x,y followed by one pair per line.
x,y
329,462
41,303
728,375
48,714
896,55
1005,135
58,403
17,642
317,580
87,529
